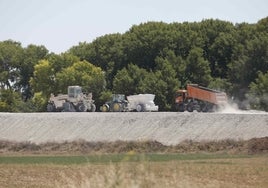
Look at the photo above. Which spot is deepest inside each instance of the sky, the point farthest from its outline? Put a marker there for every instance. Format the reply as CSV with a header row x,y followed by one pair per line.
x,y
61,24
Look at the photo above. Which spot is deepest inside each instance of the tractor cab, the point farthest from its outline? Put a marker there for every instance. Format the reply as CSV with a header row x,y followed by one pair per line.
x,y
74,91
118,98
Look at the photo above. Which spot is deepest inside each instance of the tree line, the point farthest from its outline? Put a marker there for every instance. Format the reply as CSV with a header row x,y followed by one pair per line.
x,y
153,57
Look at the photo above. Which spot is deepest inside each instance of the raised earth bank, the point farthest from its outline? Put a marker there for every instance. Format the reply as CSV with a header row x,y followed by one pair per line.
x,y
169,128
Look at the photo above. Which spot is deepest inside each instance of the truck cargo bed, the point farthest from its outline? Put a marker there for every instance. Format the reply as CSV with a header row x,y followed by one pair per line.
x,y
206,94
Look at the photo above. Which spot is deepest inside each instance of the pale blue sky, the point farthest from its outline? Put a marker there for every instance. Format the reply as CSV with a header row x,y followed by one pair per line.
x,y
61,24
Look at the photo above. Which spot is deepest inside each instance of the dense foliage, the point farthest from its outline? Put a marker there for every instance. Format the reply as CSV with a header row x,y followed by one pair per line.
x,y
152,57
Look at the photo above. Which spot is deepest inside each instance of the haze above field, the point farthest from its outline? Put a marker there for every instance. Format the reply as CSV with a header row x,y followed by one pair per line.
x,y
59,25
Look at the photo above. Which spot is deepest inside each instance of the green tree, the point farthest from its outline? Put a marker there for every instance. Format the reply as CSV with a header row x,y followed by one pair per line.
x,y
10,101
253,57
222,51
262,25
258,93
210,30
43,79
105,49
143,43
178,64
167,74
128,80
62,61
197,69
11,54
31,56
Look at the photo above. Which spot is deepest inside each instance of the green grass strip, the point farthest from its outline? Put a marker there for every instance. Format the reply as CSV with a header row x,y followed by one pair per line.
x,y
107,158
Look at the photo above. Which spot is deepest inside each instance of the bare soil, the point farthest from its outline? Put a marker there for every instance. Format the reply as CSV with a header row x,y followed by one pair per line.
x,y
228,173
252,146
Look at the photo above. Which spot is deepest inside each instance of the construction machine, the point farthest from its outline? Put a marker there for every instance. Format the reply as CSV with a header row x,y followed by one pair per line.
x,y
142,103
118,103
199,98
74,101
138,103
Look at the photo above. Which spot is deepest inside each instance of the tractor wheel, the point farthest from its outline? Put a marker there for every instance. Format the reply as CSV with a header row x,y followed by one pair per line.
x,y
69,107
51,107
117,107
80,107
93,108
105,108
140,108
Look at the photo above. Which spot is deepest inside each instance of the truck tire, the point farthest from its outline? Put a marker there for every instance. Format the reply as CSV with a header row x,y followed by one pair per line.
x,y
212,108
204,108
190,107
140,108
180,107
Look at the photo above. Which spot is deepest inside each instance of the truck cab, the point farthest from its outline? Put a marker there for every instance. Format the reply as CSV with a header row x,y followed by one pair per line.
x,y
181,95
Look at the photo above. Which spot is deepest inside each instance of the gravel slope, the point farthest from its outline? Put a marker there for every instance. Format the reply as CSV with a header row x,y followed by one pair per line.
x,y
166,127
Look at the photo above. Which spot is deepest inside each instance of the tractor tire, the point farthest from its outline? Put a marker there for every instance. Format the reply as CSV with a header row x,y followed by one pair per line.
x,y
117,107
80,107
51,107
69,107
93,108
140,108
105,108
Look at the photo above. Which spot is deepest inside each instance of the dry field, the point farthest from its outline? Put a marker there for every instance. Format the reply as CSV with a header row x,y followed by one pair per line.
x,y
231,172
225,164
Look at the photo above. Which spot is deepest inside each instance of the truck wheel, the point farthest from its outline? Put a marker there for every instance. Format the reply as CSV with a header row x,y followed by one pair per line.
x,y
204,108
51,107
212,108
116,107
190,107
198,108
140,108
180,107
80,107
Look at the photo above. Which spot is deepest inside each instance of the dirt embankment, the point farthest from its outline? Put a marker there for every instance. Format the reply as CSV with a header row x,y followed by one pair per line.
x,y
252,146
167,128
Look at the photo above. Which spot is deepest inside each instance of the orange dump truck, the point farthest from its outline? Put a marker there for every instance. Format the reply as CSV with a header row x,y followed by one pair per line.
x,y
200,99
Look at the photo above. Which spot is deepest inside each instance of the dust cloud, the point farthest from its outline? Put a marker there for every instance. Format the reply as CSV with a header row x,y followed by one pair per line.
x,y
232,108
